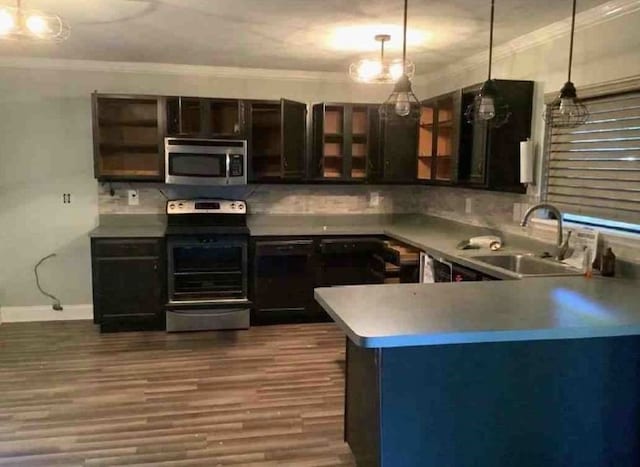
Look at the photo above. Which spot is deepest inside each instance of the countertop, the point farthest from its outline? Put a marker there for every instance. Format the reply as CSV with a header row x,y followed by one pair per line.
x,y
129,226
400,315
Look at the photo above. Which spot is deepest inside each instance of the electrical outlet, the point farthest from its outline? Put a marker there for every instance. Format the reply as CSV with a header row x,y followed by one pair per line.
x,y
468,205
66,198
374,199
133,197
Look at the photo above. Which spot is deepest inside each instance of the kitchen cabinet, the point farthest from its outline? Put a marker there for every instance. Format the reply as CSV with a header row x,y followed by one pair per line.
x,y
128,283
490,157
395,263
276,133
284,276
397,151
198,117
346,261
128,137
438,138
344,141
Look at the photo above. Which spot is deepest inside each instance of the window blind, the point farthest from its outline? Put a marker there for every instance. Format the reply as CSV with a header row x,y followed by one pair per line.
x,y
594,169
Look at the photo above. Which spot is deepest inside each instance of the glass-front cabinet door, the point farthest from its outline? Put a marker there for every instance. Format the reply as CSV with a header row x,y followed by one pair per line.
x,y
439,132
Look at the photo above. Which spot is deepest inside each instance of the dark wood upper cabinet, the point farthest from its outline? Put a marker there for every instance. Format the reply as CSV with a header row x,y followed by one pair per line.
x,y
276,133
128,137
398,143
205,118
344,141
490,157
438,138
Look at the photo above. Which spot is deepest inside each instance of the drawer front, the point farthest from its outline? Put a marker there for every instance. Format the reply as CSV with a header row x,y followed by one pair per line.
x,y
355,245
127,247
285,248
383,267
400,255
208,320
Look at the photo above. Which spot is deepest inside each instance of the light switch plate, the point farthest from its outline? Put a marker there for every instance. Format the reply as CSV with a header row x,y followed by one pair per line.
x,y
133,199
374,199
468,205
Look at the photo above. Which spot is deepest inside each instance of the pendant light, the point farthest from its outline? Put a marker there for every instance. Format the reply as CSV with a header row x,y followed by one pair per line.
x,y
18,23
488,106
380,71
567,111
402,103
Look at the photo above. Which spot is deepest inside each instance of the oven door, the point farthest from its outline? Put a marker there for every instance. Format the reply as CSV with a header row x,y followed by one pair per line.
x,y
207,270
205,162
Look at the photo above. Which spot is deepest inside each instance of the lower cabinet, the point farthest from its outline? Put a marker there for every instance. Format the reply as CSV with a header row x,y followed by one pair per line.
x,y
284,276
128,283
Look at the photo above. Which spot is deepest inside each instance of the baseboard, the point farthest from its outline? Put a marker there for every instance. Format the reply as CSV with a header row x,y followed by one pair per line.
x,y
21,314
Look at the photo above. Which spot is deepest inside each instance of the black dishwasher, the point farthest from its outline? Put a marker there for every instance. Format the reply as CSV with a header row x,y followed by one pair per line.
x,y
347,261
283,282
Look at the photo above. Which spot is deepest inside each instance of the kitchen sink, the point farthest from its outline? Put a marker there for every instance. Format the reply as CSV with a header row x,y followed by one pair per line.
x,y
527,265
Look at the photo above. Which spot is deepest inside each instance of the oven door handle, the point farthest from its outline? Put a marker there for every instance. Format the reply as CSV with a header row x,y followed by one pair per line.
x,y
194,314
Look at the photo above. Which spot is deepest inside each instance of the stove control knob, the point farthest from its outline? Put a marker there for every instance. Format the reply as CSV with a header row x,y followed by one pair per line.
x,y
172,206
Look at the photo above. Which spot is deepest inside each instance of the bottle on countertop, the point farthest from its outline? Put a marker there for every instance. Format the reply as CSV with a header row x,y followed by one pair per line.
x,y
608,264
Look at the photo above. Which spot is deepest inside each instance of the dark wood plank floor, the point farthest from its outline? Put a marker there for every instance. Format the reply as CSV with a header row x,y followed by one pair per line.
x,y
270,396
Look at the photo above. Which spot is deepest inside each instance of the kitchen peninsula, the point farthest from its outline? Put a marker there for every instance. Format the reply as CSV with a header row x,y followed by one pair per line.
x,y
529,373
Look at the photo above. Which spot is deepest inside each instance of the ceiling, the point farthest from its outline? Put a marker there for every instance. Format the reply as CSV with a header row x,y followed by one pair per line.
x,y
317,35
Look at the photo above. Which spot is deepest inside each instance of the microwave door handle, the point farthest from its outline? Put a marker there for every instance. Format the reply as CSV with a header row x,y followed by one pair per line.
x,y
228,164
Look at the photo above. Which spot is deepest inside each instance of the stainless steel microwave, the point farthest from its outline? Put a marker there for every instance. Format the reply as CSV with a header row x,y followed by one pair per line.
x,y
205,161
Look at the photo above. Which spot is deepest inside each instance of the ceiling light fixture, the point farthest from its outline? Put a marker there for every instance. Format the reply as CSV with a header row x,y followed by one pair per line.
x,y
567,111
402,102
21,24
488,106
380,71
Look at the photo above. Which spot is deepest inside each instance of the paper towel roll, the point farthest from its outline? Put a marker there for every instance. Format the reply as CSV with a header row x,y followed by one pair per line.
x,y
526,161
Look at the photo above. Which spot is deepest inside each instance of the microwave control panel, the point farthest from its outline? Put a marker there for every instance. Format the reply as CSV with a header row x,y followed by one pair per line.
x,y
236,165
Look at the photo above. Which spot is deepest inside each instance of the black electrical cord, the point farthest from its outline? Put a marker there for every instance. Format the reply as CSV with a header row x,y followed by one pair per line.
x,y
573,30
56,302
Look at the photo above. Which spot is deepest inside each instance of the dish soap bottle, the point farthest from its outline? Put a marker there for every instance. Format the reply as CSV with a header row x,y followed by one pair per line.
x,y
608,264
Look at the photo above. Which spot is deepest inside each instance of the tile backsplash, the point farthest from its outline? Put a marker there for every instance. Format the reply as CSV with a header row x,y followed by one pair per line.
x,y
501,211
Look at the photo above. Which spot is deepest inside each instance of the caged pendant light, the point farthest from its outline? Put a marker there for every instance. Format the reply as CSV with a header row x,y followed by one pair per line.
x,y
402,103
489,106
567,111
18,23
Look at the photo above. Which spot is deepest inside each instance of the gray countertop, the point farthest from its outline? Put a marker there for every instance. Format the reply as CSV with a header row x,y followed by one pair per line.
x,y
454,313
129,226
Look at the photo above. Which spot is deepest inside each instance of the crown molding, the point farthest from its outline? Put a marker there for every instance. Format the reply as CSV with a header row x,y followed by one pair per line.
x,y
170,69
586,19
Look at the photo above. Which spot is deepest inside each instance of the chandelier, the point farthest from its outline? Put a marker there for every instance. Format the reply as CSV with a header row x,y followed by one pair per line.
x,y
380,71
19,23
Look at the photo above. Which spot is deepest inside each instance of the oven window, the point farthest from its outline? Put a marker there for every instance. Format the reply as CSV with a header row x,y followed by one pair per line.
x,y
197,165
208,273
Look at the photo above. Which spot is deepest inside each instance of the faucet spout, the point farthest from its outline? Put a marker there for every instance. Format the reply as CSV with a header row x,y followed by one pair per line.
x,y
561,247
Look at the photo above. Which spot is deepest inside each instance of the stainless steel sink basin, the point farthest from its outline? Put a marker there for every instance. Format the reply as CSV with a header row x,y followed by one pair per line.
x,y
527,265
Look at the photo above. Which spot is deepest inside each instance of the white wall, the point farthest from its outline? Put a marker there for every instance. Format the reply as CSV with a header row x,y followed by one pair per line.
x,y
46,150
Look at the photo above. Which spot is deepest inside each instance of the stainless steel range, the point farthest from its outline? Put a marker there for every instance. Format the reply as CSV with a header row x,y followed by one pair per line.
x,y
207,242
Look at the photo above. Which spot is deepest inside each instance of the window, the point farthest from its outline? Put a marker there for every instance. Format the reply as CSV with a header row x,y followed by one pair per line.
x,y
593,171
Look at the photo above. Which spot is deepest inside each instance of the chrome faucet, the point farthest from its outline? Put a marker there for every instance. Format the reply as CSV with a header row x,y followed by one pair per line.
x,y
562,246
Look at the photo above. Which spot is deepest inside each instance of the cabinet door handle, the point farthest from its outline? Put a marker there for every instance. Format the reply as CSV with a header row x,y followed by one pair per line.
x,y
286,164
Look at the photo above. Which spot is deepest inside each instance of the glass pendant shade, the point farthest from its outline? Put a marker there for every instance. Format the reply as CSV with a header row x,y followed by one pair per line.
x,y
488,106
380,70
567,111
18,23
402,103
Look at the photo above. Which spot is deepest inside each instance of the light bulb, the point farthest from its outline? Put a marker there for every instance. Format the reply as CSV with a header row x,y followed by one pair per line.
x,y
7,22
403,104
567,106
395,70
37,25
486,108
369,70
